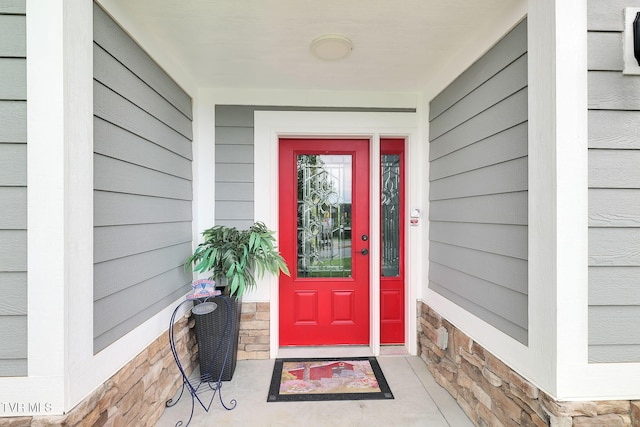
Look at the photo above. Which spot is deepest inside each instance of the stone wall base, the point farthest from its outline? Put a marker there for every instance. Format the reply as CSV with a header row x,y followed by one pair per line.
x,y
254,331
494,395
137,393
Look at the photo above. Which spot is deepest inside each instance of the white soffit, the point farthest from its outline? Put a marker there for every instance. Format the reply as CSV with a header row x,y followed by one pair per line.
x,y
265,44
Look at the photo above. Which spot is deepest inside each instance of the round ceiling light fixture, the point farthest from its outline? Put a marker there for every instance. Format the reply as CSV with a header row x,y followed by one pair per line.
x,y
331,47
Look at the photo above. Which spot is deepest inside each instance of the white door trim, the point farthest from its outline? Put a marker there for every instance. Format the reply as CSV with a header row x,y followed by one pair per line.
x,y
269,126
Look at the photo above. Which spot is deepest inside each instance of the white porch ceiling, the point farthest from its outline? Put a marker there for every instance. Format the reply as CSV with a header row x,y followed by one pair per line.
x,y
398,45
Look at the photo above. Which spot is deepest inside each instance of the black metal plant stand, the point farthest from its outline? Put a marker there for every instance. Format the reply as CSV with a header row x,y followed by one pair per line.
x,y
204,381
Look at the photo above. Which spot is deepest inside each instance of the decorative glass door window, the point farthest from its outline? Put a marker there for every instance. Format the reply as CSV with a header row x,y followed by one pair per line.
x,y
390,212
324,215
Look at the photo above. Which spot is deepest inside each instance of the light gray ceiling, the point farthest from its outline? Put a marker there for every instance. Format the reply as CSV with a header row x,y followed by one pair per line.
x,y
399,45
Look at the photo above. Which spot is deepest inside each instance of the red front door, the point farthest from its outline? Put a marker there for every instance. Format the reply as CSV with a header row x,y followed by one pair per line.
x,y
324,237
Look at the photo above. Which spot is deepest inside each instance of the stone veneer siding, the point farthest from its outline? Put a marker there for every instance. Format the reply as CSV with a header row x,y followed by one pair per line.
x,y
254,331
494,395
137,393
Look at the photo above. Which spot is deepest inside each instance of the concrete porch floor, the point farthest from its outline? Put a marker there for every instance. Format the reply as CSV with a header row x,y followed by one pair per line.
x,y
418,401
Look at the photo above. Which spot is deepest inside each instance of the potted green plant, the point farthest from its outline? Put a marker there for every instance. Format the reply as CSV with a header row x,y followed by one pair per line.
x,y
233,258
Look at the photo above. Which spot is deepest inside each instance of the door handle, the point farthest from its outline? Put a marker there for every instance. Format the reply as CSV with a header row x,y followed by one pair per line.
x,y
365,251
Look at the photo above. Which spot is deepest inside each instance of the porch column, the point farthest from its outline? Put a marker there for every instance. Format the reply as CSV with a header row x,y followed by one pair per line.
x,y
558,186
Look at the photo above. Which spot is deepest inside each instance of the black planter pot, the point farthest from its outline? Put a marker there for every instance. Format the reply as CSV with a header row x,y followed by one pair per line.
x,y
214,332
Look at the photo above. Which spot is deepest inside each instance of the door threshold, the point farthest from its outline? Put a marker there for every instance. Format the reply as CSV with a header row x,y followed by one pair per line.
x,y
325,351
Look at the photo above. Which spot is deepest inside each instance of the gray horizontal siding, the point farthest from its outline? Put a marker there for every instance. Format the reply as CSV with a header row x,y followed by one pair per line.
x,y
114,75
13,189
13,293
607,15
13,116
13,205
13,161
507,208
13,78
234,158
479,188
142,185
614,129
234,165
116,109
508,272
13,42
508,113
113,39
614,190
507,50
18,7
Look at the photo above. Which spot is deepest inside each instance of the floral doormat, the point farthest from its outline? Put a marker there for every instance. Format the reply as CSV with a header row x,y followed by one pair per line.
x,y
350,378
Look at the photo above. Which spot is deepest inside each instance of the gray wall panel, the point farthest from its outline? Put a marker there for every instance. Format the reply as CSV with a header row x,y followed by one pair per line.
x,y
116,175
13,205
510,112
614,286
234,210
604,51
119,307
604,322
121,273
112,141
13,78
508,240
504,302
13,250
115,109
13,330
13,159
508,272
125,240
9,367
235,116
614,353
500,147
114,75
614,129
488,316
102,341
13,189
126,209
13,294
142,185
610,90
505,177
507,50
614,246
502,85
234,173
614,168
119,44
233,135
13,116
13,7
240,191
479,188
614,190
614,207
236,154
13,42
607,15
509,208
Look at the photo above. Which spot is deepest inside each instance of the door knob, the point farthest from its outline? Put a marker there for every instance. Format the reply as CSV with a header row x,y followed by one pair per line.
x,y
365,251
364,237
